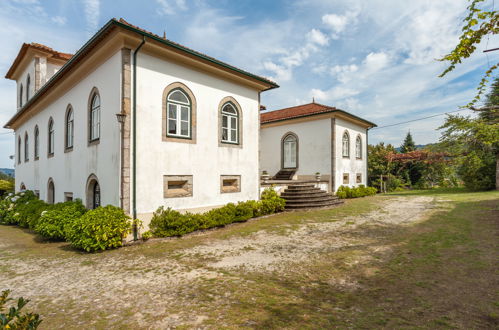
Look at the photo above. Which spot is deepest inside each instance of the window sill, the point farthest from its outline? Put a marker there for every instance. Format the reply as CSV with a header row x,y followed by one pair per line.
x,y
346,157
36,158
230,144
170,138
68,149
50,155
93,142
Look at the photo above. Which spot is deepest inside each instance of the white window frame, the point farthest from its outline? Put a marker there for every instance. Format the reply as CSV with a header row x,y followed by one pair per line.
x,y
69,138
51,137
358,147
229,128
95,111
178,113
345,149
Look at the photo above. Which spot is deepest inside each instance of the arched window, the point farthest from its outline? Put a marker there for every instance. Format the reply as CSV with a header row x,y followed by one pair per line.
x,y
28,84
178,118
290,151
26,147
21,96
93,192
346,145
22,187
230,123
94,117
19,150
358,147
50,191
37,142
51,137
69,136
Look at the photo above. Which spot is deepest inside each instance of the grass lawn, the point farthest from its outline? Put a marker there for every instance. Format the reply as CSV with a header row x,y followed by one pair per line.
x,y
416,259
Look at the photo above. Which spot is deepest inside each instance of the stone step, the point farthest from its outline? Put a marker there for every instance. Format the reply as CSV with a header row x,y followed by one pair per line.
x,y
310,199
302,189
310,196
313,205
300,185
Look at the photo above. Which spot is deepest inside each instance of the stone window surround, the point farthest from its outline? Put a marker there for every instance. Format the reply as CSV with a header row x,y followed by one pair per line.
x,y
190,94
93,92
36,143
50,153
66,148
358,138
68,196
297,150
233,188
26,147
89,191
358,178
185,191
346,177
239,109
342,147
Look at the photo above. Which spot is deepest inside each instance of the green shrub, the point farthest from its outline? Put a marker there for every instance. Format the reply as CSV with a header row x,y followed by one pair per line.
x,y
13,318
10,205
146,235
99,229
52,222
168,222
360,191
30,212
271,202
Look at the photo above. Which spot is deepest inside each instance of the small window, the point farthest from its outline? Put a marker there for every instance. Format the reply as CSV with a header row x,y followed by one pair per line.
x,y
230,123
177,186
230,183
21,96
26,147
93,194
50,192
178,114
346,145
94,117
51,136
358,147
28,86
346,178
37,142
68,196
358,178
69,128
22,187
19,150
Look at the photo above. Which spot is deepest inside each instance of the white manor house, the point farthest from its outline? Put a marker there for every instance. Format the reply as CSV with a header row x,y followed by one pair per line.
x,y
138,121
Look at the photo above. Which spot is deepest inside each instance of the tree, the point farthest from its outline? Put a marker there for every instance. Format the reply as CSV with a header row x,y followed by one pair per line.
x,y
408,144
379,166
477,24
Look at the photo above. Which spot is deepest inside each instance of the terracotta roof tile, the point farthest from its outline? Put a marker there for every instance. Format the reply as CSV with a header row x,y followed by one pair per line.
x,y
295,112
60,55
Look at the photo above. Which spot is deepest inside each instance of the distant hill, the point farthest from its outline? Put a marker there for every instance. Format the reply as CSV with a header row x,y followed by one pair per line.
x,y
418,146
7,171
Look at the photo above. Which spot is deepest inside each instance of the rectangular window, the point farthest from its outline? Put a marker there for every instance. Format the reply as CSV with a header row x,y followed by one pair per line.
x,y
230,183
68,196
178,120
358,178
346,178
177,186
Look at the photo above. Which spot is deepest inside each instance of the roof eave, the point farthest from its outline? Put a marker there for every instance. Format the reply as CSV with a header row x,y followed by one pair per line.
x,y
333,110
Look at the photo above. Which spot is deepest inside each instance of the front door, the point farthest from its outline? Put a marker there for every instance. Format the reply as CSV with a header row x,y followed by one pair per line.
x,y
289,152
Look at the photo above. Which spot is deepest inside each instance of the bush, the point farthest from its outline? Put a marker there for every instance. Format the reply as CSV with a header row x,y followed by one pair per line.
x,y
360,191
52,223
14,318
168,222
12,204
30,212
99,229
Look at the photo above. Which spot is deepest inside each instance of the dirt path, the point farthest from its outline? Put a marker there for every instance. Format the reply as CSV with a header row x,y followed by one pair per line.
x,y
125,288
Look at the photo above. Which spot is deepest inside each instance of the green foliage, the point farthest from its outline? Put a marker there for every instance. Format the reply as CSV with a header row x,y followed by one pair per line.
x,y
355,192
11,206
6,186
146,235
378,164
13,318
30,212
168,222
52,222
477,24
408,144
99,229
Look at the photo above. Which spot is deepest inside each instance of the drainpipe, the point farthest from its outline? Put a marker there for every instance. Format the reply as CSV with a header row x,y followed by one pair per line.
x,y
367,156
134,140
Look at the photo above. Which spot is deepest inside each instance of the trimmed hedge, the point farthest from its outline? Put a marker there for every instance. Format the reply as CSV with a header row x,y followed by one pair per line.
x,y
99,229
360,191
168,222
52,223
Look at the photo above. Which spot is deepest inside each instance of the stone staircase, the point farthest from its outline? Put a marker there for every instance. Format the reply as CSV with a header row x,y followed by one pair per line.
x,y
285,175
306,195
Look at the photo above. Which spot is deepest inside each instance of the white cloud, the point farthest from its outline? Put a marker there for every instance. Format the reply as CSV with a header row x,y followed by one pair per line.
x,y
334,94
170,7
375,62
317,37
59,20
92,13
338,23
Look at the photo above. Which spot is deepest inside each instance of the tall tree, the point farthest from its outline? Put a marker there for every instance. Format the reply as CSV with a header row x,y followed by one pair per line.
x,y
479,23
408,144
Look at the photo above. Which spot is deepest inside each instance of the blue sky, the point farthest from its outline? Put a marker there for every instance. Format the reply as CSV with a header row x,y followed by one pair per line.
x,y
373,58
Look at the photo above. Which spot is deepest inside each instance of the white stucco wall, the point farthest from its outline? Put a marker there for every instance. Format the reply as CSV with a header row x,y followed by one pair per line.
x,y
350,165
205,160
30,69
71,170
314,147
